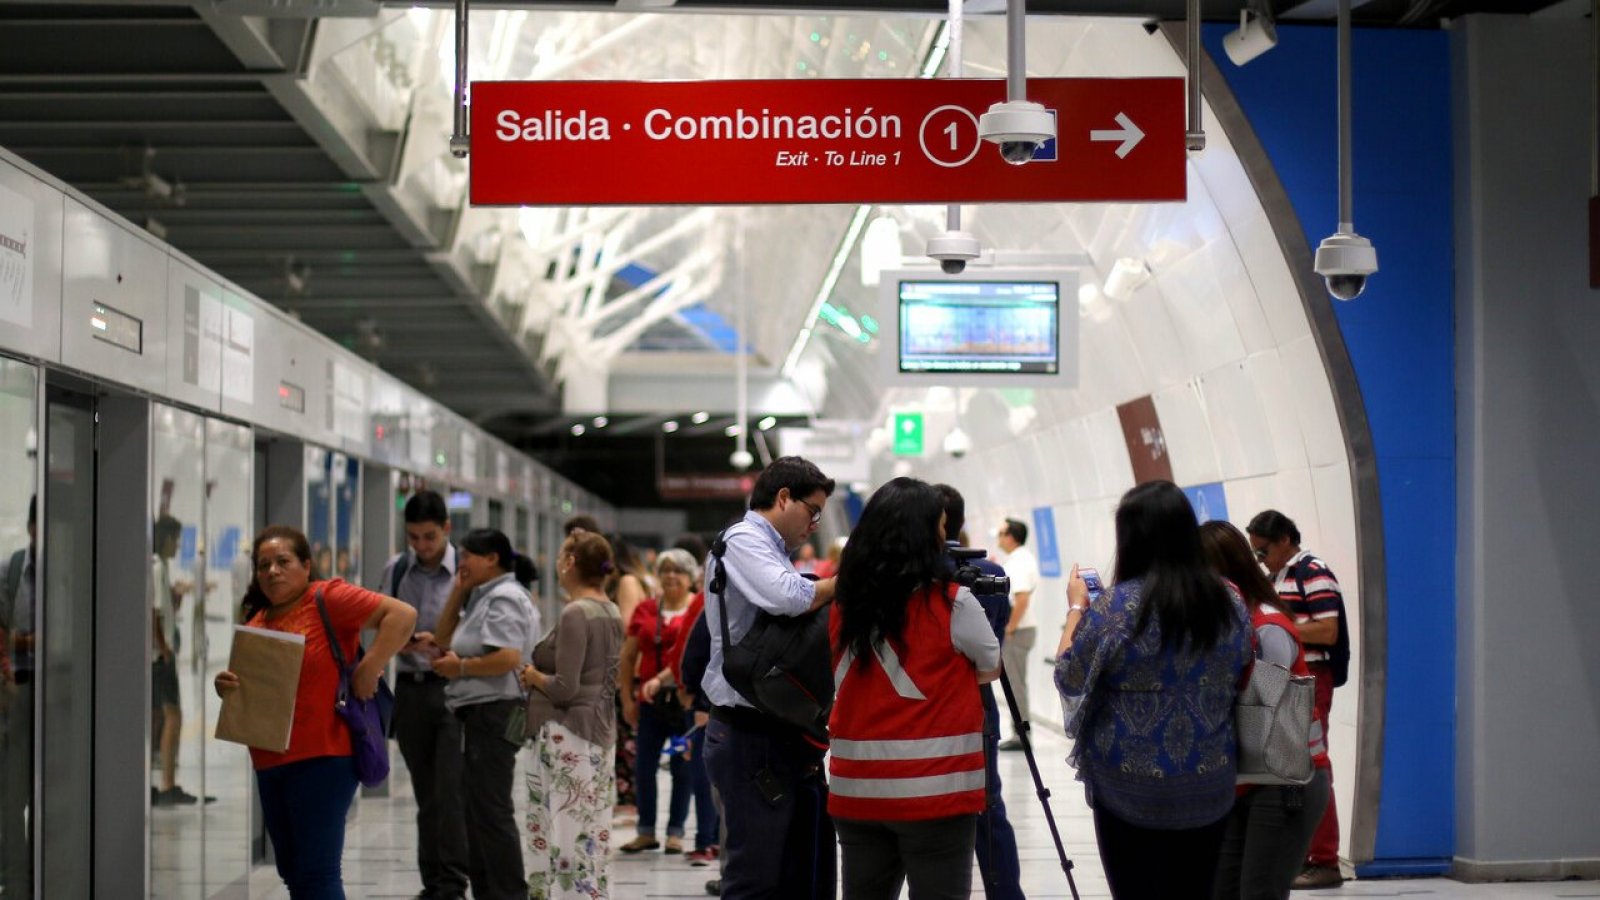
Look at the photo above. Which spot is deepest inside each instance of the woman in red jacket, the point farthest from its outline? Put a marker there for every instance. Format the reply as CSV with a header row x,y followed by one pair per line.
x,y
1270,828
306,790
906,770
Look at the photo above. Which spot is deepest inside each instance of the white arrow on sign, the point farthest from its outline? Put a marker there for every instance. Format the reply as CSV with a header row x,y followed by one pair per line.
x,y
1129,134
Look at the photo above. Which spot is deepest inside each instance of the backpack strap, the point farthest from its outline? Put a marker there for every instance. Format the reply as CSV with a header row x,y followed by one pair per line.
x,y
719,585
402,564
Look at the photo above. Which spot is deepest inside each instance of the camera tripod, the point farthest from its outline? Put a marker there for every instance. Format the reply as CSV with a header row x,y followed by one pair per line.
x,y
1024,729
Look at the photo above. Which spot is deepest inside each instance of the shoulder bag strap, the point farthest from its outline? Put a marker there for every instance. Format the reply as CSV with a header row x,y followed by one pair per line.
x,y
401,566
333,638
719,586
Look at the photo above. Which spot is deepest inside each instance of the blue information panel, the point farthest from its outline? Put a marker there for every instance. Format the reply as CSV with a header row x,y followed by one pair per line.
x,y
1208,501
189,546
1044,542
227,548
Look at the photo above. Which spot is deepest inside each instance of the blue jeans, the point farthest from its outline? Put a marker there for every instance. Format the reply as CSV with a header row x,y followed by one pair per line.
x,y
706,820
651,737
304,805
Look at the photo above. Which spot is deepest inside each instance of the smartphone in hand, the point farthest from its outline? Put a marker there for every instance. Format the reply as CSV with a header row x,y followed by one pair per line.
x,y
1091,580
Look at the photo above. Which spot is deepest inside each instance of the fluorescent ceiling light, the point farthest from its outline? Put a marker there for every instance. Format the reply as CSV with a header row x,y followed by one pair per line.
x,y
601,421
669,426
732,430
578,430
1127,275
767,423
700,418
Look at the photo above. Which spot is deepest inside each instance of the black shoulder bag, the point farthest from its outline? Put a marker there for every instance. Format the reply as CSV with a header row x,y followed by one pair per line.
x,y
1339,653
783,666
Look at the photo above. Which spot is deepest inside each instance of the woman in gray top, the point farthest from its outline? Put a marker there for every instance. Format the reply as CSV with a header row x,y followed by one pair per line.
x,y
571,716
487,630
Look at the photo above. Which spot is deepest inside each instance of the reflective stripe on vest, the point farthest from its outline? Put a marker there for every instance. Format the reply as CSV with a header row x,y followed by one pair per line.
x,y
921,748
907,788
903,685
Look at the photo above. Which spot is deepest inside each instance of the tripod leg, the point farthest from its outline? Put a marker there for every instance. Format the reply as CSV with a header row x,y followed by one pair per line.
x,y
1024,734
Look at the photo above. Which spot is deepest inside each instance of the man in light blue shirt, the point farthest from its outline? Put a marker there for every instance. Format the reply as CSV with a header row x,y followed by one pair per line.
x,y
428,734
779,841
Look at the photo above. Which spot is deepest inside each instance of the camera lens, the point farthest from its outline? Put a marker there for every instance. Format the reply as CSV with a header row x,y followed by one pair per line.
x,y
1018,152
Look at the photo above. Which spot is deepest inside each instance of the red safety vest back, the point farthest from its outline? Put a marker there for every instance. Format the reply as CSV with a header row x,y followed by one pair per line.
x,y
907,724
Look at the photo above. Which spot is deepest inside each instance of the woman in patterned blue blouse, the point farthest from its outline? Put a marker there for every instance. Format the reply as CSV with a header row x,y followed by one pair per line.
x,y
1148,675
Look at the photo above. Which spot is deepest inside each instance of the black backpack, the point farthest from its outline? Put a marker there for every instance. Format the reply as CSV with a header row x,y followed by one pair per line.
x,y
783,666
1339,653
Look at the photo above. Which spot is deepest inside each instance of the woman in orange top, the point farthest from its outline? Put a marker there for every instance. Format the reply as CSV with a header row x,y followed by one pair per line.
x,y
306,790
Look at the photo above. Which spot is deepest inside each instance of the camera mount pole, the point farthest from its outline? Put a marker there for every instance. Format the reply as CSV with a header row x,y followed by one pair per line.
x,y
1024,728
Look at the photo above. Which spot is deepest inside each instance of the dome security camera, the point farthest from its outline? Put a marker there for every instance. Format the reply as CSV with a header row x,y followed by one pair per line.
x,y
741,459
1345,260
957,443
1020,127
953,250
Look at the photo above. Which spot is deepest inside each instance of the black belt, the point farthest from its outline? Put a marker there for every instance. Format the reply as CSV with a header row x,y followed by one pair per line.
x,y
747,718
419,677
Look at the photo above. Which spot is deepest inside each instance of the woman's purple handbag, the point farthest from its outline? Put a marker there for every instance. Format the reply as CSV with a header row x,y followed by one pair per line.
x,y
368,720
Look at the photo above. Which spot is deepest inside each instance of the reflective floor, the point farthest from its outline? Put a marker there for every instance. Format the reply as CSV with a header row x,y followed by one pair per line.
x,y
380,857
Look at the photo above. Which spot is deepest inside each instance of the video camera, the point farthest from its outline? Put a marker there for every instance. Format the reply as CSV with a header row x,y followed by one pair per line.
x,y
971,577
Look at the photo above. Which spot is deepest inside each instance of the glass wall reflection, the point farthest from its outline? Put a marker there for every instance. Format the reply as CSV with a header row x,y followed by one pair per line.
x,y
19,450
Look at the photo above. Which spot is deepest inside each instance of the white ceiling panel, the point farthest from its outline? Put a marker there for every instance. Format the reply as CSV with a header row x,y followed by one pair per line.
x,y
1313,402
1160,349
1278,400
1110,452
1195,289
1189,442
1274,283
1238,420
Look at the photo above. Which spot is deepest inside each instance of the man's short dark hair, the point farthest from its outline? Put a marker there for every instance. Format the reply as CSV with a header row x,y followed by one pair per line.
x,y
1274,526
695,545
426,506
33,510
580,523
799,475
1018,531
955,511
166,528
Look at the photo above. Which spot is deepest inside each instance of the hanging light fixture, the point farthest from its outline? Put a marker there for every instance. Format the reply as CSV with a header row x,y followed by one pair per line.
x,y
954,248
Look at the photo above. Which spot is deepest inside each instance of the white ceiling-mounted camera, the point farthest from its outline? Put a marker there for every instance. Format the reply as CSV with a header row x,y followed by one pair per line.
x,y
957,443
1020,127
953,250
1345,260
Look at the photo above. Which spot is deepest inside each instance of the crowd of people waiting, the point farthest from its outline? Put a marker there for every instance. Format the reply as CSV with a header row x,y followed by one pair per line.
x,y
904,791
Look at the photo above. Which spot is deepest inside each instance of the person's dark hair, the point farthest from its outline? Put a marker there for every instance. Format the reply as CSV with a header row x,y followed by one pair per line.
x,y
1230,556
580,523
625,561
426,506
255,600
695,544
1158,540
1018,530
484,541
1274,526
166,528
955,511
895,551
33,510
799,475
591,556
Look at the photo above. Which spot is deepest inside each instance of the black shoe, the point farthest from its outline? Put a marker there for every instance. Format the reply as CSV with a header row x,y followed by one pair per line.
x,y
714,887
177,797
1011,745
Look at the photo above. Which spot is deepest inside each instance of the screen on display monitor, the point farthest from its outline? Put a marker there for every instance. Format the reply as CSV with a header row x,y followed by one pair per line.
x,y
990,326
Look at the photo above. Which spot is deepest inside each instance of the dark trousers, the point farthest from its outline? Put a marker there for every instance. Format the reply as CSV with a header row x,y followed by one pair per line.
x,y
933,855
651,736
706,819
1325,843
16,789
779,841
1264,844
430,742
494,847
996,840
1146,863
303,805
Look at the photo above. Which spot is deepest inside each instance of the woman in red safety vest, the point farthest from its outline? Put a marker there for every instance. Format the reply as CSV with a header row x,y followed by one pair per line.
x,y
906,766
1271,826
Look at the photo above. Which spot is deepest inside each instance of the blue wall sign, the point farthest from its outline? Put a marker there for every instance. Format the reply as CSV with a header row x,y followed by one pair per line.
x,y
1208,501
1044,543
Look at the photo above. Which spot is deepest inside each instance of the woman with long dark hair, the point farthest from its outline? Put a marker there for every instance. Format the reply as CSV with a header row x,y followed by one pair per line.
x,y
1271,826
906,770
627,586
306,790
1148,675
487,630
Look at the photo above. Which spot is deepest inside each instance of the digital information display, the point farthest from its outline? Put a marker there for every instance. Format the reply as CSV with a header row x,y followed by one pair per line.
x,y
979,327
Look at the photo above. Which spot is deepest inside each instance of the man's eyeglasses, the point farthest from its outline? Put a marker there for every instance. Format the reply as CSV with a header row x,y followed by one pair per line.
x,y
816,511
1261,553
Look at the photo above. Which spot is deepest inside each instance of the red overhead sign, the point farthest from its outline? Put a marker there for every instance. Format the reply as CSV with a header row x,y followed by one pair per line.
x,y
589,143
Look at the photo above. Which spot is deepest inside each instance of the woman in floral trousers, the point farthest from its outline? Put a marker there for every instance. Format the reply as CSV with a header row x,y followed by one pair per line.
x,y
572,692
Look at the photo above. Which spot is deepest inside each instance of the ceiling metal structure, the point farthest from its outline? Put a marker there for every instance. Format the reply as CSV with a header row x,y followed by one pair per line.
x,y
299,148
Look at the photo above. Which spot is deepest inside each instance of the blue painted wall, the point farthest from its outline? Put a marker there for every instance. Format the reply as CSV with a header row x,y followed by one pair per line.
x,y
1400,336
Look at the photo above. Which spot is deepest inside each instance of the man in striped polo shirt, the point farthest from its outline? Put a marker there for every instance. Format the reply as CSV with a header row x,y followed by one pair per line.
x,y
1312,595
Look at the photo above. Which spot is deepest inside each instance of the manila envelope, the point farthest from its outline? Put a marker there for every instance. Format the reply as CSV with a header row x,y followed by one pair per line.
x,y
260,712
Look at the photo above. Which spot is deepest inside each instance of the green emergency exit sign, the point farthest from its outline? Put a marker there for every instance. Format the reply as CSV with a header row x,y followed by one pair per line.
x,y
908,434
